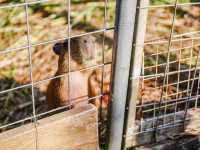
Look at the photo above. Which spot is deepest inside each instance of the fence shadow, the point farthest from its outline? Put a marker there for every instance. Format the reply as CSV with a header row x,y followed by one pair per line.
x,y
17,104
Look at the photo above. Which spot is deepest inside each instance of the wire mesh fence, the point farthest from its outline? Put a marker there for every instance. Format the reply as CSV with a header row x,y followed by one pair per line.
x,y
169,80
30,29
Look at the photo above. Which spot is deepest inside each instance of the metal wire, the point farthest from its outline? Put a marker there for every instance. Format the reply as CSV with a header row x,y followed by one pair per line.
x,y
69,51
102,72
166,67
43,1
48,112
8,50
31,75
169,5
191,90
52,78
173,100
29,46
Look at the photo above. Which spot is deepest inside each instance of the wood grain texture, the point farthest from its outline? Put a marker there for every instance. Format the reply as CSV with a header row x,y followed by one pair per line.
x,y
71,130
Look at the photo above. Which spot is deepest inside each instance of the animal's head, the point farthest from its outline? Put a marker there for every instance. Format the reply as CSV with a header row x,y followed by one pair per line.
x,y
87,47
82,49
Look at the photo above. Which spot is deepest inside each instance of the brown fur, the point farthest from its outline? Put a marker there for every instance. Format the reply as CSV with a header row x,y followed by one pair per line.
x,y
59,93
95,86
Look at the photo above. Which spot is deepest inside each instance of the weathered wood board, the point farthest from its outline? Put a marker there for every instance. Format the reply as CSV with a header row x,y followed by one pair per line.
x,y
76,129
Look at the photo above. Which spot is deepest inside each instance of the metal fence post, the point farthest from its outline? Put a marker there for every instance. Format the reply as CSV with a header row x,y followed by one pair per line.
x,y
135,70
125,21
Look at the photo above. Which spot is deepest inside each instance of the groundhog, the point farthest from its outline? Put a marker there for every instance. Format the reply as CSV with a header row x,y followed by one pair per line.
x,y
82,52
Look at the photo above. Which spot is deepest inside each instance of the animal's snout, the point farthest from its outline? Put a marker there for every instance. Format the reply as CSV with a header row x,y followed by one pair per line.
x,y
91,52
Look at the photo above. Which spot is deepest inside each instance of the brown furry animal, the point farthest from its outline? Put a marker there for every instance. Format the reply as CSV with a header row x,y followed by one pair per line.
x,y
82,52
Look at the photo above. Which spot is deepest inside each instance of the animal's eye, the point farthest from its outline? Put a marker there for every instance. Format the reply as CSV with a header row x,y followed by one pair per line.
x,y
85,41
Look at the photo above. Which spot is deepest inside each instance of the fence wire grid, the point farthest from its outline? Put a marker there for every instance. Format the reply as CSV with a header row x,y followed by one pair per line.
x,y
169,81
35,46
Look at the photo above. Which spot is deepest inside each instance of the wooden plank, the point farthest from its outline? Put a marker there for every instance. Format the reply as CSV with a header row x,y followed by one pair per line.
x,y
21,138
137,65
76,129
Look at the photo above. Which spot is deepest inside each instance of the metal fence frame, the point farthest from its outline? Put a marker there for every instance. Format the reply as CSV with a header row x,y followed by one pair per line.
x,y
131,130
128,45
125,21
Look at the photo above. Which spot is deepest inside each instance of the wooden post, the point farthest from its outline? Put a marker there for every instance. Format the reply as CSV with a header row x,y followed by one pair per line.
x,y
139,38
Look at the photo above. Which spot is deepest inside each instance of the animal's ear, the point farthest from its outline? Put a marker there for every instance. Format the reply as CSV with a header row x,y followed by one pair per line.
x,y
57,48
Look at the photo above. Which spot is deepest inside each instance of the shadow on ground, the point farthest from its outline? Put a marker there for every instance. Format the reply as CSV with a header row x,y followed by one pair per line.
x,y
17,105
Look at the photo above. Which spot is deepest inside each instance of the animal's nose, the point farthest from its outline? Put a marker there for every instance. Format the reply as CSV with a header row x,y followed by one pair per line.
x,y
92,54
57,48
